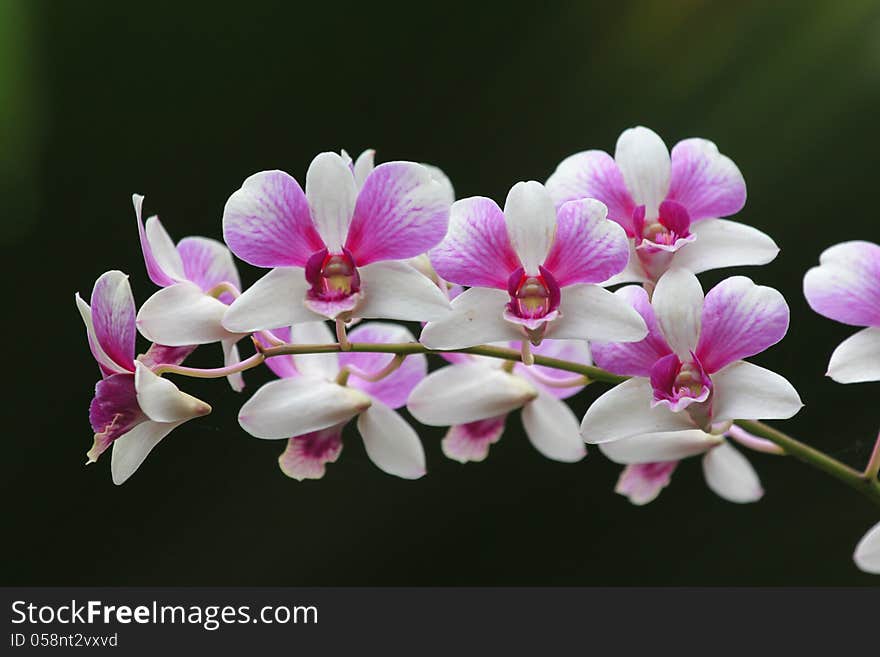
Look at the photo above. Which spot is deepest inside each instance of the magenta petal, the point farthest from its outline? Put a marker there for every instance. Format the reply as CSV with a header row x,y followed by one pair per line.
x,y
401,212
642,482
113,315
588,248
476,251
845,286
207,263
395,388
307,455
633,358
740,319
593,174
674,216
154,270
159,354
704,181
267,222
283,366
113,412
471,441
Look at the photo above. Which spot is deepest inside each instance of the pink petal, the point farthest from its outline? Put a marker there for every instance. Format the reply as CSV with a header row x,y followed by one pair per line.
x,y
706,182
159,256
642,482
471,441
394,389
282,366
476,251
113,412
113,316
740,319
633,358
845,286
207,263
305,456
400,213
576,351
588,248
159,354
593,174
267,222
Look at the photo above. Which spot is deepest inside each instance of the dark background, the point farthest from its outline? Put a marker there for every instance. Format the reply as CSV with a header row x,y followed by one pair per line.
x,y
182,101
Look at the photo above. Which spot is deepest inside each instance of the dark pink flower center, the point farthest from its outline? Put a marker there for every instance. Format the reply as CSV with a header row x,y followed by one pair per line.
x,y
680,384
532,297
332,276
672,224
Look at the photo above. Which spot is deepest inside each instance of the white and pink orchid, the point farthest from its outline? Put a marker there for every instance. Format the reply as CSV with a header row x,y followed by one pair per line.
x,y
532,272
133,408
688,373
198,279
670,206
319,394
336,249
867,554
474,395
845,287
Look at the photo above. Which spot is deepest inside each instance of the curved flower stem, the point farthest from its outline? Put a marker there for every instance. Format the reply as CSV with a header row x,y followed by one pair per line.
x,y
342,336
213,372
389,369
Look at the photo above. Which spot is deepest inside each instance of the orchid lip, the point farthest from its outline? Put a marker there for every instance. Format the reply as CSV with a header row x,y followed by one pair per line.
x,y
533,299
677,385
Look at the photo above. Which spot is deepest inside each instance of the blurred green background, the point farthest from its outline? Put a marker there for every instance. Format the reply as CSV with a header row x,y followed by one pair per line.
x,y
182,101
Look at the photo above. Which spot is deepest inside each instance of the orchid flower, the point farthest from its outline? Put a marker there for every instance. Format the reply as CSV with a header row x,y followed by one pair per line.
x,y
475,394
532,272
688,373
336,249
133,408
319,393
727,472
845,287
670,207
867,554
198,279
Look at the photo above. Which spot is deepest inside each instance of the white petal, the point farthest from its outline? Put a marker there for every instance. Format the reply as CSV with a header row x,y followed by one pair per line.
x,y
744,391
721,243
274,301
396,290
391,443
468,392
531,223
164,251
130,450
867,555
730,475
364,166
666,446
162,401
182,315
644,161
857,358
678,305
232,357
319,366
553,429
100,355
331,191
476,318
626,411
292,407
438,175
590,312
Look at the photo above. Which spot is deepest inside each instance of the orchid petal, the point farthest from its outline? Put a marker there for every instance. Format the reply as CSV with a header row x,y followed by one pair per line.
x,y
305,456
644,162
730,475
207,263
465,393
392,445
232,357
324,366
182,315
593,174
476,318
626,411
274,301
396,290
664,446
476,250
363,166
331,192
162,401
438,175
267,222
739,319
161,258
574,351
703,180
590,312
867,554
113,412
857,359
553,429
588,248
130,450
401,212
471,441
846,285
721,243
641,483
744,391
292,407
109,321
531,223
678,305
